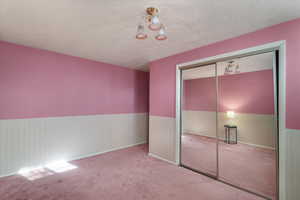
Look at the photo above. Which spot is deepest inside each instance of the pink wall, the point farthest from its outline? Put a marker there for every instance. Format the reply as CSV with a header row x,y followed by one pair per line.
x,y
163,71
38,83
251,92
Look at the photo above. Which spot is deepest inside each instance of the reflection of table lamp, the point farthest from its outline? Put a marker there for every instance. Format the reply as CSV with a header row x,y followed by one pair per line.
x,y
231,116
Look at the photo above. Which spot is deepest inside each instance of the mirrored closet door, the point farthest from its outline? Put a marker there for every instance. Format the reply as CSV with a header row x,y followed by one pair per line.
x,y
229,125
199,118
247,123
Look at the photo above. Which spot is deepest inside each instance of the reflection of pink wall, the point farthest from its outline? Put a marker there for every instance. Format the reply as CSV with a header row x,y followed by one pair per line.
x,y
163,71
251,92
38,83
200,94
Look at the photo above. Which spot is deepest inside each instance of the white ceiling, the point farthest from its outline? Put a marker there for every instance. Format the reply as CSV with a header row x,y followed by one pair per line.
x,y
104,30
246,64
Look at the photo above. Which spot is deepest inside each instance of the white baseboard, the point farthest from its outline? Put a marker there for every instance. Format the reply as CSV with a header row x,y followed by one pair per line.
x,y
110,150
257,145
89,155
6,175
163,159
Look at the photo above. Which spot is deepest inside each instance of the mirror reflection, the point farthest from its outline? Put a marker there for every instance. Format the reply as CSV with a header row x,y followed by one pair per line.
x,y
199,143
246,124
229,128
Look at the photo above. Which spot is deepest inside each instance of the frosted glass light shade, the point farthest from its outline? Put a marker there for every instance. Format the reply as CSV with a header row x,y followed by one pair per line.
x,y
161,35
155,24
141,35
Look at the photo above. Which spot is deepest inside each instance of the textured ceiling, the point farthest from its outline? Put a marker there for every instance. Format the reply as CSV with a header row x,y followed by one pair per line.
x,y
104,30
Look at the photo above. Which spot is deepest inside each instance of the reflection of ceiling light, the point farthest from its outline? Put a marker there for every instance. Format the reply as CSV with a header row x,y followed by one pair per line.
x,y
152,19
232,67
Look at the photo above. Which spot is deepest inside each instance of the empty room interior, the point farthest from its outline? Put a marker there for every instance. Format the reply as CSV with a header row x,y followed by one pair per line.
x,y
153,100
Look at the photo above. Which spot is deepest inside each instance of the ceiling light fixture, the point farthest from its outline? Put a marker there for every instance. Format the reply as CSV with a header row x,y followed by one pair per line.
x,y
151,18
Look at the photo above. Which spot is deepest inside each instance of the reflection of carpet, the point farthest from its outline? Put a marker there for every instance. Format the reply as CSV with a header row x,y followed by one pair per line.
x,y
242,165
127,174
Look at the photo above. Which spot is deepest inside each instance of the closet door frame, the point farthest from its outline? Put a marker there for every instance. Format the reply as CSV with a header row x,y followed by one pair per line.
x,y
280,47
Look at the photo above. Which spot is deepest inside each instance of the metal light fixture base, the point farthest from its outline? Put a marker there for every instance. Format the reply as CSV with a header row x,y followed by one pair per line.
x,y
152,11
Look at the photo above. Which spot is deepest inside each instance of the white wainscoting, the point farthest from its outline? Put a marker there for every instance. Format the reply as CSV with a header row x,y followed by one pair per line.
x,y
37,141
162,137
292,164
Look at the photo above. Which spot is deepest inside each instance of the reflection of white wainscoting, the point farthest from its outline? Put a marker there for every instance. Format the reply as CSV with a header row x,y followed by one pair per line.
x,y
222,139
253,129
34,142
199,122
